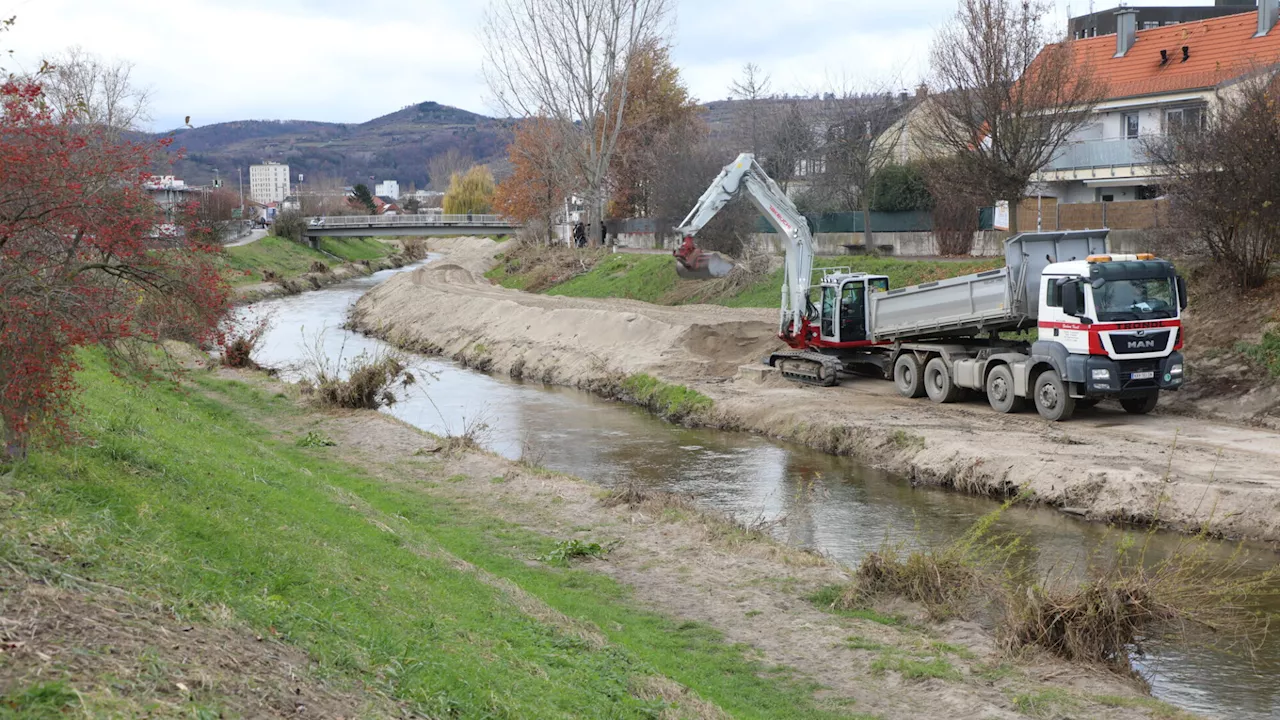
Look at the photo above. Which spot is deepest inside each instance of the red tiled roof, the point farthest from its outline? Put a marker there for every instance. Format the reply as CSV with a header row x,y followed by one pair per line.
x,y
1220,49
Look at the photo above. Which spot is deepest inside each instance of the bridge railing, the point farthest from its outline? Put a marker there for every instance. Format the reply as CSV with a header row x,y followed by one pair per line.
x,y
413,220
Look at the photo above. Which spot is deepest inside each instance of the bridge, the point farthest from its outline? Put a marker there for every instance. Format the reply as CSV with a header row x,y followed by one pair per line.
x,y
420,224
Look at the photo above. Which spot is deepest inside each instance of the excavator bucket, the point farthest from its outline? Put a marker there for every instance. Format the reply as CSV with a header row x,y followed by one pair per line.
x,y
692,263
708,266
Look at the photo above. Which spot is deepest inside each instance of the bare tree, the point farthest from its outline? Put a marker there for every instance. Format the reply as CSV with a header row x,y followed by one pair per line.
x,y
860,133
751,120
1008,101
442,167
1222,176
86,89
569,60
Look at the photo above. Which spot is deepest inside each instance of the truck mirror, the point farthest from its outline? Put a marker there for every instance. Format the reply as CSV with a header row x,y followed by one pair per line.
x,y
1071,298
1182,293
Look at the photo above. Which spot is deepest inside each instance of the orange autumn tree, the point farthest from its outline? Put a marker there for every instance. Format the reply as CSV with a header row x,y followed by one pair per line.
x,y
659,117
537,186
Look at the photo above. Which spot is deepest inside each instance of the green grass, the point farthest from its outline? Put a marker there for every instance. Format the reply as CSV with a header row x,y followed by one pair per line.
x,y
652,278
188,501
911,668
279,255
825,598
1265,353
1045,703
356,249
1158,709
40,701
672,402
624,275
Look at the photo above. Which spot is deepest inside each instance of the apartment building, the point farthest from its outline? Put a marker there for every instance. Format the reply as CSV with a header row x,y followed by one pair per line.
x,y
269,182
1155,80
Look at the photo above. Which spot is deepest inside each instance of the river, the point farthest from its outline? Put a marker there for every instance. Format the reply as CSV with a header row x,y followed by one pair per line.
x,y
834,505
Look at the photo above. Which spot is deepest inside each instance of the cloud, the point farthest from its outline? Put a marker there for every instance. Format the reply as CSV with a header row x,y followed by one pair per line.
x,y
342,61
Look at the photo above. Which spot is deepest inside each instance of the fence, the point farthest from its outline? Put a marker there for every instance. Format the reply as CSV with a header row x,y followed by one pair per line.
x,y
851,222
1053,215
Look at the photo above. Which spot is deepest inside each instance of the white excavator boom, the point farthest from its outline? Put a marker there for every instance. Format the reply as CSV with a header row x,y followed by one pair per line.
x,y
745,173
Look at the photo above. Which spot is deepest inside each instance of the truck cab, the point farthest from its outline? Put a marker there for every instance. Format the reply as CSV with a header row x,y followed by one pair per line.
x,y
1112,326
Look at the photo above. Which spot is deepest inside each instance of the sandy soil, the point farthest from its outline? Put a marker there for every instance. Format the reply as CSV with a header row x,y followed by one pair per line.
x,y
693,566
1175,468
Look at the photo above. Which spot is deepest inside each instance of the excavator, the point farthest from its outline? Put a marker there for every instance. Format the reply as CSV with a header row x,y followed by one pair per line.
x,y
824,340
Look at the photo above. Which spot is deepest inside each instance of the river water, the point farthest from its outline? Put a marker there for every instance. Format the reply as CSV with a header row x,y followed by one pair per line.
x,y
831,504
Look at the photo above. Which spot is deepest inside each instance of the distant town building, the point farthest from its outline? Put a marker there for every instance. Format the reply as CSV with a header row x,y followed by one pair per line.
x,y
1103,22
269,182
170,193
388,188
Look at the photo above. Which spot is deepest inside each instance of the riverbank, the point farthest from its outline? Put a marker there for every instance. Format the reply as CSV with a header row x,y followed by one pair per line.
x,y
219,547
1105,465
277,267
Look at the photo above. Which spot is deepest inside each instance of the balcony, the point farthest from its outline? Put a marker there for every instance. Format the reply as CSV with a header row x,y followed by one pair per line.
x,y
1093,154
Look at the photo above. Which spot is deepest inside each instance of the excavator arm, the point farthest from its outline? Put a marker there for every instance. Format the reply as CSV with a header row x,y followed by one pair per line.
x,y
746,174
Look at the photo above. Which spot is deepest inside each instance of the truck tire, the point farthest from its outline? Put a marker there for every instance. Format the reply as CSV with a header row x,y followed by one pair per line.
x,y
938,382
1051,397
1140,405
1000,391
908,376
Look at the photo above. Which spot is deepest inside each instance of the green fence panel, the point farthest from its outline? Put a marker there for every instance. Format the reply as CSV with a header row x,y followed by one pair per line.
x,y
851,222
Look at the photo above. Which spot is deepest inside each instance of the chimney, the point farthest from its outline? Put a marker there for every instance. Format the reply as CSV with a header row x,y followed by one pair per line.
x,y
1126,30
1267,11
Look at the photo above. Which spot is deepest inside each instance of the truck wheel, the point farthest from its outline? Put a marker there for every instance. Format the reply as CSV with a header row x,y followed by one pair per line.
x,y
1051,397
1000,391
938,382
1140,405
908,376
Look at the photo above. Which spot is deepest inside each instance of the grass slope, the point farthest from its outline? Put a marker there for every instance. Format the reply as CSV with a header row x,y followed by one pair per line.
x,y
279,255
652,278
356,249
185,498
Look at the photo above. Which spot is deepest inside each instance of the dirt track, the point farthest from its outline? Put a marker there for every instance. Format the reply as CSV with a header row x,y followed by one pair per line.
x,y
1103,464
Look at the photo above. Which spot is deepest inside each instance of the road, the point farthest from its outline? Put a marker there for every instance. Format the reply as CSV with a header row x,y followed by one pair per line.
x,y
254,236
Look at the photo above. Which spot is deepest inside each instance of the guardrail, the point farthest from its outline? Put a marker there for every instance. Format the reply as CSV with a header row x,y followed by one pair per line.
x,y
415,220
1091,154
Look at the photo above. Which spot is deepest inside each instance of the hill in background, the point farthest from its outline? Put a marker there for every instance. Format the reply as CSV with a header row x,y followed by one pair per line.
x,y
396,146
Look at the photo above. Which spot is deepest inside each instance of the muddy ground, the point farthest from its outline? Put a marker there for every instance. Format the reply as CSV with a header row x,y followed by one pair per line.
x,y
1184,470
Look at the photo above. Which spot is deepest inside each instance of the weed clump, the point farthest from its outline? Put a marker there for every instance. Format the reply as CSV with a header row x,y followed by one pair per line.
x,y
1126,602
412,249
367,381
239,344
567,550
674,403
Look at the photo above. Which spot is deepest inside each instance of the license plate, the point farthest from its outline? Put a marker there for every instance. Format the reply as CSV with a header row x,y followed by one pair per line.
x,y
1146,375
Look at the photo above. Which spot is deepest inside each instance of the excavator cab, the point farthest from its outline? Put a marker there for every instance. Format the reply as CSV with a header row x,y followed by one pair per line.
x,y
844,310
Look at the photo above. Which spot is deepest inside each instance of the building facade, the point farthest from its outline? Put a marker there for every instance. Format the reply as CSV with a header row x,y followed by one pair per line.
x,y
1103,22
269,182
1156,80
389,188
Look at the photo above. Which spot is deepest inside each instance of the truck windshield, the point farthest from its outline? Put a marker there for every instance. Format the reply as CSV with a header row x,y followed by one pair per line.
x,y
1135,299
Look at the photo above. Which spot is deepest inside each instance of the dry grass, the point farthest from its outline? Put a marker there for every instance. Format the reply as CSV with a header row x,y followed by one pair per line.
x,y
413,249
1125,602
240,342
367,381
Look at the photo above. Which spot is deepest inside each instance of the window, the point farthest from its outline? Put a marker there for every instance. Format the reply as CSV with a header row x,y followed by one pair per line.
x,y
1150,24
853,312
1131,126
1053,294
1188,118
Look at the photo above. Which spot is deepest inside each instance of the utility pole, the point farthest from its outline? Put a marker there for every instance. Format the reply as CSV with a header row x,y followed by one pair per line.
x,y
240,172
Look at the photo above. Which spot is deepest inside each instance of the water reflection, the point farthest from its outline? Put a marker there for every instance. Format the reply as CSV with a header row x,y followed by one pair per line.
x,y
827,503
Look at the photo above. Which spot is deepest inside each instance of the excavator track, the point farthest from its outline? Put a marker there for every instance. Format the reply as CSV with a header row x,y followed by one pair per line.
x,y
807,367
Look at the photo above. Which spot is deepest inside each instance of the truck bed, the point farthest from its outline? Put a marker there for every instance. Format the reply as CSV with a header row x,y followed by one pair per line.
x,y
996,300
958,306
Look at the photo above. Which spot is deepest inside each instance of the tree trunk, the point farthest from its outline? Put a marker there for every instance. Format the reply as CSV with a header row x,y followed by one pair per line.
x,y
1013,215
868,240
15,445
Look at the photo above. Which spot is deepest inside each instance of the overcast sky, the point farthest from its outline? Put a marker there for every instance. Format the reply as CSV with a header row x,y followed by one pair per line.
x,y
344,61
